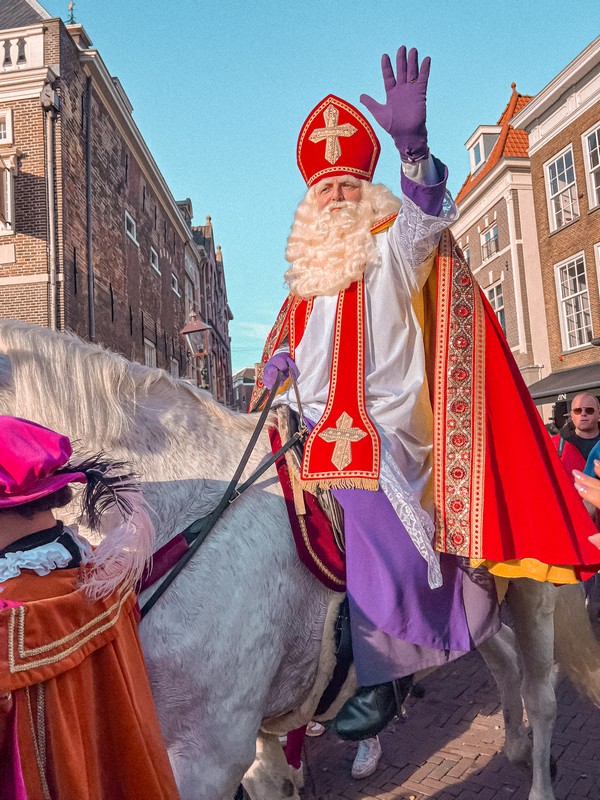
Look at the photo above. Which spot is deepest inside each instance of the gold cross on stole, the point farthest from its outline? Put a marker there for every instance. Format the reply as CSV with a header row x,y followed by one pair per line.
x,y
332,132
343,435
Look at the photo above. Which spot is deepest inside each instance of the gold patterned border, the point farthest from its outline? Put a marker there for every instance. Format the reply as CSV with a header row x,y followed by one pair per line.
x,y
459,406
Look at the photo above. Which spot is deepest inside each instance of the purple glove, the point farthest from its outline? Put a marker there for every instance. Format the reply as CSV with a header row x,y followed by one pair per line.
x,y
280,362
403,115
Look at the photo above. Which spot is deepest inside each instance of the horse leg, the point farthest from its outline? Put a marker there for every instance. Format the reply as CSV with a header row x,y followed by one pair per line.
x,y
532,607
500,654
270,777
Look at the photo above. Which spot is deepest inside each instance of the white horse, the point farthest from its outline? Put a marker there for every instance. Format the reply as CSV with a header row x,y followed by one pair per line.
x,y
236,639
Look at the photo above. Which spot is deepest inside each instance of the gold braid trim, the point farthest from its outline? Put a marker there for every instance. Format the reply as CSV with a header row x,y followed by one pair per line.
x,y
315,557
38,734
113,613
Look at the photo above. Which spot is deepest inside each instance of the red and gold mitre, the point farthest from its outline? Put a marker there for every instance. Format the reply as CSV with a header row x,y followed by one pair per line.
x,y
337,139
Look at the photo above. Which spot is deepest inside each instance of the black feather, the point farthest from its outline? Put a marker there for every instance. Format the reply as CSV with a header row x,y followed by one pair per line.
x,y
108,483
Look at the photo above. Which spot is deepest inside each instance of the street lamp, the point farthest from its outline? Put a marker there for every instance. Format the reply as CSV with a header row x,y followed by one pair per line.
x,y
195,334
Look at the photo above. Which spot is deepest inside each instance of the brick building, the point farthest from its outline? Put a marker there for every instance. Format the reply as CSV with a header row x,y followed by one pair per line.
x,y
563,124
243,385
497,233
91,239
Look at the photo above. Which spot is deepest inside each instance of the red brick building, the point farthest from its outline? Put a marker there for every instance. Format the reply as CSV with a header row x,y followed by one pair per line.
x,y
91,238
496,230
563,124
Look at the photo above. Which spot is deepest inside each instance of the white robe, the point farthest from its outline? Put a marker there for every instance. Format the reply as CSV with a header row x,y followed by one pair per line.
x,y
397,394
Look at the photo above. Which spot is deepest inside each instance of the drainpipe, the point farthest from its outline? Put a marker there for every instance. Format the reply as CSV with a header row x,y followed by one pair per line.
x,y
50,104
88,208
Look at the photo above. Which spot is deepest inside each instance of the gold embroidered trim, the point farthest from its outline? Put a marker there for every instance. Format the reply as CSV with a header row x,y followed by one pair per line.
x,y
459,404
315,557
38,733
16,630
353,479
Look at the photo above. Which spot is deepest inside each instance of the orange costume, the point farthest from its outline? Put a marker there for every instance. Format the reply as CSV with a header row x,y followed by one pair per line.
x,y
60,650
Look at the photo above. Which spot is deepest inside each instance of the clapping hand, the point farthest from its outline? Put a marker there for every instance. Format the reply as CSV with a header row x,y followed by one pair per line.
x,y
404,112
589,490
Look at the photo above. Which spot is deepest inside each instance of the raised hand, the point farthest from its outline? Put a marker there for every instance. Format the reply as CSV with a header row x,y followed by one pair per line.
x,y
280,362
404,112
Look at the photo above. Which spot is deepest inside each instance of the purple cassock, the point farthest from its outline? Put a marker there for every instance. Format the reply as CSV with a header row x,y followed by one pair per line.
x,y
399,624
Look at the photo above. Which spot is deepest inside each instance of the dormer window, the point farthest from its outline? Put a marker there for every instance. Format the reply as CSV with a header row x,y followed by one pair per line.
x,y
480,145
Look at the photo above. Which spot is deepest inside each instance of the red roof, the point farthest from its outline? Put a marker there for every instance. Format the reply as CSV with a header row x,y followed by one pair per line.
x,y
511,143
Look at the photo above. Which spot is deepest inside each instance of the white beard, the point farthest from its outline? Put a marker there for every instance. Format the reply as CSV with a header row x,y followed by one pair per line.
x,y
332,248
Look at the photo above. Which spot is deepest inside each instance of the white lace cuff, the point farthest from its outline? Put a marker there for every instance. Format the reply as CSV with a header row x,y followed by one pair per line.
x,y
418,234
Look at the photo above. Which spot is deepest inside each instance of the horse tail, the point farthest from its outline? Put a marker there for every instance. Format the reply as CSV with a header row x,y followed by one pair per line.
x,y
576,647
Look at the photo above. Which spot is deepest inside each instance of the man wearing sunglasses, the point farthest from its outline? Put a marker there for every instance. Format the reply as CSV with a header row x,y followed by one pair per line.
x,y
574,446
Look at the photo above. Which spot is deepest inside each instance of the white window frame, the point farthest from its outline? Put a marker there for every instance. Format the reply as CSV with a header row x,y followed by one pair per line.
x,y
476,163
592,173
567,331
8,170
492,295
569,192
489,251
6,116
175,284
131,223
149,353
154,262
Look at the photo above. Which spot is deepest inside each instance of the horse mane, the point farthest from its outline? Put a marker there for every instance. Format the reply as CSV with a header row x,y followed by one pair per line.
x,y
95,394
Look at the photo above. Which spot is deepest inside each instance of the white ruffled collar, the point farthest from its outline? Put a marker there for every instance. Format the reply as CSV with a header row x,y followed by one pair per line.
x,y
42,559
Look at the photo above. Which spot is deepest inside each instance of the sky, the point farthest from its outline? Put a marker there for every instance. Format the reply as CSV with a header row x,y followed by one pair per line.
x,y
220,89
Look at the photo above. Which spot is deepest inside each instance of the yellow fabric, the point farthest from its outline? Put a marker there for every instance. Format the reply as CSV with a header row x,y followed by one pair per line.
x,y
528,568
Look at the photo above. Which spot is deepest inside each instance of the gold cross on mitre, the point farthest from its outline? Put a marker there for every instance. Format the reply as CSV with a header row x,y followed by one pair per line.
x,y
343,435
332,132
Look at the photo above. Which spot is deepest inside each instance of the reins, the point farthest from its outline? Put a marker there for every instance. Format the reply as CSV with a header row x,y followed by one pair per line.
x,y
196,533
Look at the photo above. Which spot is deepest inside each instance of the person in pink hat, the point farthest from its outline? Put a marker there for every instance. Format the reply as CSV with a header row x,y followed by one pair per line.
x,y
77,718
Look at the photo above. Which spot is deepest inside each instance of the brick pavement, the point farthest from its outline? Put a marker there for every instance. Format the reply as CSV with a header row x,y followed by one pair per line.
x,y
450,747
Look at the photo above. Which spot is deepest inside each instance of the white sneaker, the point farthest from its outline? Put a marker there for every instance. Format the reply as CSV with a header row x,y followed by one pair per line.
x,y
314,729
367,758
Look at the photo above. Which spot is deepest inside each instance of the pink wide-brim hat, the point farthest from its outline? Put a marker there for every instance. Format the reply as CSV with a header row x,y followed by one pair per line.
x,y
30,457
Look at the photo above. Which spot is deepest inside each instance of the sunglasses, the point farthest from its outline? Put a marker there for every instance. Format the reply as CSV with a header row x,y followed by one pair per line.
x,y
588,410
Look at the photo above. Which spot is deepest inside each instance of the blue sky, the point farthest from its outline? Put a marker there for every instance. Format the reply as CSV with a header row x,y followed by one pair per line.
x,y
220,89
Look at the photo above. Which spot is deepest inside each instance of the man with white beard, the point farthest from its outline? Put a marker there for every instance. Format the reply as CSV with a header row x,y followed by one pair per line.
x,y
385,332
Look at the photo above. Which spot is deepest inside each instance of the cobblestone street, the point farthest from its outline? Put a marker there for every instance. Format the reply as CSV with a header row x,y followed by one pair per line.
x,y
450,747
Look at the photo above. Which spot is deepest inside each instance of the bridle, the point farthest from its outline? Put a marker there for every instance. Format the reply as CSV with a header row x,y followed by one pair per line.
x,y
195,533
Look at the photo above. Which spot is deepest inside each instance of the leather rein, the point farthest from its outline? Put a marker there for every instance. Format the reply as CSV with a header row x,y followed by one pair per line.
x,y
196,533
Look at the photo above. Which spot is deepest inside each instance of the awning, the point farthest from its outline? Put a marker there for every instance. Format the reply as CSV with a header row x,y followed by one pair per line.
x,y
566,383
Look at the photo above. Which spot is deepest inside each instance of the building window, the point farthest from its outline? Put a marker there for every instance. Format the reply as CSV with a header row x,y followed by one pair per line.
x,y
562,190
7,197
489,242
574,303
592,152
130,227
467,254
154,260
6,135
477,156
149,353
175,284
496,297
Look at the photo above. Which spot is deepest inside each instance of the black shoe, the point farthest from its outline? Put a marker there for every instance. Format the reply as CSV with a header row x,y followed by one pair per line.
x,y
370,709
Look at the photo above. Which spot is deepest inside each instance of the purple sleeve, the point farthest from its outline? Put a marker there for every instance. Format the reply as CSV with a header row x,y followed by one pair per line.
x,y
428,197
